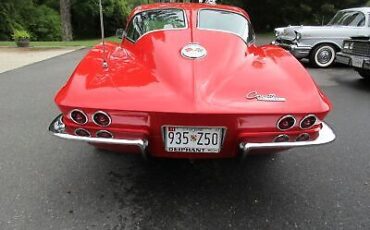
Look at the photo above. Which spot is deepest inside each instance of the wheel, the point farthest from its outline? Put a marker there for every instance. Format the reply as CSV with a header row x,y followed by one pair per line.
x,y
364,73
322,55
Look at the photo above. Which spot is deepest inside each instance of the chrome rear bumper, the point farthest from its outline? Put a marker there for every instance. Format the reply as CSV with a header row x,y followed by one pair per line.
x,y
57,128
326,135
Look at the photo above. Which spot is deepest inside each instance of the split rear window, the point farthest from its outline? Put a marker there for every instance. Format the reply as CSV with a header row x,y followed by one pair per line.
x,y
147,21
225,21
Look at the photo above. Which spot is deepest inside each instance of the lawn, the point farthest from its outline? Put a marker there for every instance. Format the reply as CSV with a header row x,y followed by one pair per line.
x,y
58,44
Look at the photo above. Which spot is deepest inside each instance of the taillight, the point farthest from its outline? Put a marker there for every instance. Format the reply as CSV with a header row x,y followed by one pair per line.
x,y
303,137
102,119
286,122
82,132
308,121
78,116
282,138
104,134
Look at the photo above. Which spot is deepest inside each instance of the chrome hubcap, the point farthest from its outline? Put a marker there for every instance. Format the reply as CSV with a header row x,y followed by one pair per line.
x,y
324,56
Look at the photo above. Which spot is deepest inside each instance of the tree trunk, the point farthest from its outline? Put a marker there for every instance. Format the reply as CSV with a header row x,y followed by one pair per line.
x,y
65,14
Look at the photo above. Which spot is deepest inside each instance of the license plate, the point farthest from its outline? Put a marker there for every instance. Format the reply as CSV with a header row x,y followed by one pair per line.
x,y
193,139
357,62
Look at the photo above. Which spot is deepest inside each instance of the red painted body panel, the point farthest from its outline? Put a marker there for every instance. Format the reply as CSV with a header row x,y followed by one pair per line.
x,y
149,84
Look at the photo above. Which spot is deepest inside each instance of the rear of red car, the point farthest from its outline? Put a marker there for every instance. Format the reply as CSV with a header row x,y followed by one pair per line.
x,y
192,92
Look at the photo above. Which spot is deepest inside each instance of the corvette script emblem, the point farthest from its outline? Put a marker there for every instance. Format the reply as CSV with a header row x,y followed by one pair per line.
x,y
269,97
193,51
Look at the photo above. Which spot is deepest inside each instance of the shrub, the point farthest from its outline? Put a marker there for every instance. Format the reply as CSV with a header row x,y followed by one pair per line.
x,y
44,24
20,35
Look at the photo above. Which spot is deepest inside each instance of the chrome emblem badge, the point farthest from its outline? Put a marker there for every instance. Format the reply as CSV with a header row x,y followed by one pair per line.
x,y
269,97
193,51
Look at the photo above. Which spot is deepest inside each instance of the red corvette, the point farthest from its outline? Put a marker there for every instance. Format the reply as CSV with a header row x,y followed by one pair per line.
x,y
188,81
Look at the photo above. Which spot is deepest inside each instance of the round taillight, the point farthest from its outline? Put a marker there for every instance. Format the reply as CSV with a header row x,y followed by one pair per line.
x,y
282,138
303,137
102,119
82,132
308,121
104,134
286,122
78,116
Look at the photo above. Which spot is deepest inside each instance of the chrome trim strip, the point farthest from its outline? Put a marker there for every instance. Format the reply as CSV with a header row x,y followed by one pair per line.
x,y
78,110
104,113
326,135
283,117
317,121
57,128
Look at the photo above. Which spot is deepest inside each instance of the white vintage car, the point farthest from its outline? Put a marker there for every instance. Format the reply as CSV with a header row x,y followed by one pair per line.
x,y
321,43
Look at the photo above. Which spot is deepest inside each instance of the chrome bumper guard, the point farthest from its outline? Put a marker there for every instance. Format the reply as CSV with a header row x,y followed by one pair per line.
x,y
326,135
57,128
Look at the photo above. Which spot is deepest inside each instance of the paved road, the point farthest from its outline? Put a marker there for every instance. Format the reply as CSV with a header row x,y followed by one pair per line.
x,y
48,183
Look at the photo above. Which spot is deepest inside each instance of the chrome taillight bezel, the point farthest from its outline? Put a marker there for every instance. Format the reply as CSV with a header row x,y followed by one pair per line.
x,y
284,117
307,116
303,134
80,111
104,131
280,136
105,114
76,130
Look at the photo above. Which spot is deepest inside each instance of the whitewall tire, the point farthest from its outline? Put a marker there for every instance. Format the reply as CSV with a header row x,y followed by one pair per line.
x,y
323,56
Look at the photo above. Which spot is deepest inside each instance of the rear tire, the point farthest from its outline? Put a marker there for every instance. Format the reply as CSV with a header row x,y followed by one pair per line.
x,y
365,74
323,55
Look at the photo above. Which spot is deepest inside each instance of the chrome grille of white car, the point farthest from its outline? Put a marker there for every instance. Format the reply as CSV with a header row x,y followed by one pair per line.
x,y
361,48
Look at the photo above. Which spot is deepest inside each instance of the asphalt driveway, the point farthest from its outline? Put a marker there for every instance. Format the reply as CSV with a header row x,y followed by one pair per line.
x,y
48,183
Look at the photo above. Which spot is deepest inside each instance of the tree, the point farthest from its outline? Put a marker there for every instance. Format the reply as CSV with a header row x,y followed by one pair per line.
x,y
65,14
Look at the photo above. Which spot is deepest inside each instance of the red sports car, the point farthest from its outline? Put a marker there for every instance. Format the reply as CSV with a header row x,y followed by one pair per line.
x,y
188,81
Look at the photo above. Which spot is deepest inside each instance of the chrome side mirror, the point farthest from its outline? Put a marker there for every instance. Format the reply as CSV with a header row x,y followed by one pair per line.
x,y
120,33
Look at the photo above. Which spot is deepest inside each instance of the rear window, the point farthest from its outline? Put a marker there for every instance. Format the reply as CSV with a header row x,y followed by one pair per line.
x,y
147,21
226,21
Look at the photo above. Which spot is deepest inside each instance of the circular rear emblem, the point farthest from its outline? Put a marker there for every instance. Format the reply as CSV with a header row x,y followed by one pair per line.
x,y
193,51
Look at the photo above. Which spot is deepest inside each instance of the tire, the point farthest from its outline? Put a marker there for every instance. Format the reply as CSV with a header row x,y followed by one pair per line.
x,y
323,56
364,73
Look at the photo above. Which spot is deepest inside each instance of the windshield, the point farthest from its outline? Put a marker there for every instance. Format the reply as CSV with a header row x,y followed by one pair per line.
x,y
147,21
226,21
348,18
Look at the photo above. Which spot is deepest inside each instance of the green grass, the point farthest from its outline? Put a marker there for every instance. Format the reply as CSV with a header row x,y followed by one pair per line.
x,y
60,44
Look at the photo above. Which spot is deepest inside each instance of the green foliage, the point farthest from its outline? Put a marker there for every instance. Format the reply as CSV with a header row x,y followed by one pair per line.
x,y
20,35
42,22
9,18
45,24
368,3
85,18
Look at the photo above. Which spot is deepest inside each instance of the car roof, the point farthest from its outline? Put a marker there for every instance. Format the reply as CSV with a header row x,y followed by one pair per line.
x,y
187,6
361,9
